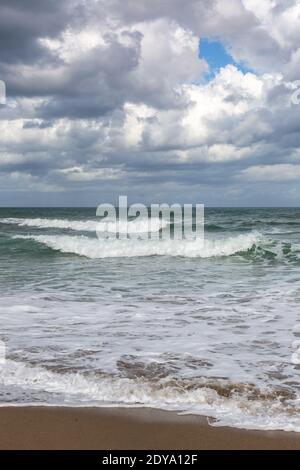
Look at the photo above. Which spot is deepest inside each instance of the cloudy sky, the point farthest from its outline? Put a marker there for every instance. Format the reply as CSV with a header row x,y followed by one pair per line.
x,y
168,100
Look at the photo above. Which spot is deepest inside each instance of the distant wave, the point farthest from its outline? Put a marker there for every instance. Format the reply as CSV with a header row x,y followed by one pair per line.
x,y
134,226
214,228
109,248
275,223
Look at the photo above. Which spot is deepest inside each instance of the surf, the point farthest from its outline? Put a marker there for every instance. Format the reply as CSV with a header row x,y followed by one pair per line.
x,y
110,248
138,226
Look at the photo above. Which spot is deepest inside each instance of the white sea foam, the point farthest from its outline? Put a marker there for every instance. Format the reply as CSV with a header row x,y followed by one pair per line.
x,y
134,226
95,248
79,390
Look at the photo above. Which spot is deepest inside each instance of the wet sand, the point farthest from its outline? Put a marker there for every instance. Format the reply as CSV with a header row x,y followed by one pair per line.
x,y
120,428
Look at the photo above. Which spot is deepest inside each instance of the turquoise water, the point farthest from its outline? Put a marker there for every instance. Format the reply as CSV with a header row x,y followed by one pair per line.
x,y
207,329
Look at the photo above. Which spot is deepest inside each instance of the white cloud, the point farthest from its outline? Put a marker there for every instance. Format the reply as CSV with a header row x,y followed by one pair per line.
x,y
80,174
214,116
277,172
120,92
68,49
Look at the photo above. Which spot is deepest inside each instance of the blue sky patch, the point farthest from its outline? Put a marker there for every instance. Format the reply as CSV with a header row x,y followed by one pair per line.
x,y
216,56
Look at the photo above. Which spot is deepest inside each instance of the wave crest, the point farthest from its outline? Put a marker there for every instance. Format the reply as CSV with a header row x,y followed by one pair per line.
x,y
109,248
134,226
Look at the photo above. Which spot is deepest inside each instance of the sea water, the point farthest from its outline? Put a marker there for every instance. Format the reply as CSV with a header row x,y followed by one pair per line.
x,y
209,329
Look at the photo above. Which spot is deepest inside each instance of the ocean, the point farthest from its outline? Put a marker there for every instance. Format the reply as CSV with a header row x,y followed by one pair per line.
x,y
212,330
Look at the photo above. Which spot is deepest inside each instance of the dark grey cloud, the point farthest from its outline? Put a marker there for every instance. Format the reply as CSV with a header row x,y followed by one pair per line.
x,y
22,24
37,124
109,95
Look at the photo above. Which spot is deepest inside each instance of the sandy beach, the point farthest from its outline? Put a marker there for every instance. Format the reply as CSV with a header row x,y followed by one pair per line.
x,y
48,428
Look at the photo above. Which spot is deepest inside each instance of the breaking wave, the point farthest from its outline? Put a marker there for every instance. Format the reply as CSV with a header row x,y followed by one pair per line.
x,y
110,248
134,226
230,404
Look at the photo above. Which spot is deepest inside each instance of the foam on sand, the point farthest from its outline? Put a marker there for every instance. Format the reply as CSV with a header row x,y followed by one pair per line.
x,y
186,396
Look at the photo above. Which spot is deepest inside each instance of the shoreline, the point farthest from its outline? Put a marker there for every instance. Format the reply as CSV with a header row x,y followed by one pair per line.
x,y
63,428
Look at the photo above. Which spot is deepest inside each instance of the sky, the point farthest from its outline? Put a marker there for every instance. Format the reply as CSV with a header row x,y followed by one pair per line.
x,y
192,101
